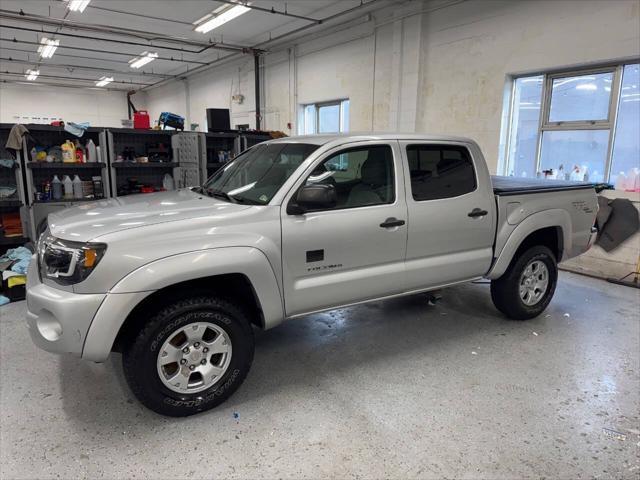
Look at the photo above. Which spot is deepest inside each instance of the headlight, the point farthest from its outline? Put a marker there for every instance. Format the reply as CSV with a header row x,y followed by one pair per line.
x,y
67,262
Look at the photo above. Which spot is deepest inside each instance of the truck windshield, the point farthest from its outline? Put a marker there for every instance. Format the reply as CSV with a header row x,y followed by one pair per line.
x,y
255,176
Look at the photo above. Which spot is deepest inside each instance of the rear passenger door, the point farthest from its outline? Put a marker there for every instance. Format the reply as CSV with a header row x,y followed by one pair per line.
x,y
450,216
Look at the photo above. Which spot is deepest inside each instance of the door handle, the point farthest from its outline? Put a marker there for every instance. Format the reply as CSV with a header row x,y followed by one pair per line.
x,y
477,212
392,222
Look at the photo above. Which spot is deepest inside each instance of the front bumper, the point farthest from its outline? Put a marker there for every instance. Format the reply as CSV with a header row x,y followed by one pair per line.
x,y
58,320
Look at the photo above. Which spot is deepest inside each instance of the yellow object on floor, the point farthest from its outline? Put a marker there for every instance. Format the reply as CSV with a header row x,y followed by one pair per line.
x,y
16,280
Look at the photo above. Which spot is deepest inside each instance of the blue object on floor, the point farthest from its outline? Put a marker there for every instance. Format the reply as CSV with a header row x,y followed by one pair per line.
x,y
4,300
23,257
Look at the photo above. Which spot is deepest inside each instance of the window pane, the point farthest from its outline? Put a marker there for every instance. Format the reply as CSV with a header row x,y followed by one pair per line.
x,y
439,171
329,119
524,126
344,124
361,176
575,154
625,173
584,97
309,119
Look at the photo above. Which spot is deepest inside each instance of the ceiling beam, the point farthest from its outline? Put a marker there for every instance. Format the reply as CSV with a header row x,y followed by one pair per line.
x,y
79,79
85,67
62,85
99,50
149,37
271,10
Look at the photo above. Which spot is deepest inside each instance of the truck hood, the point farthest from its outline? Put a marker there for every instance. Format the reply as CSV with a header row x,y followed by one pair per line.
x,y
94,219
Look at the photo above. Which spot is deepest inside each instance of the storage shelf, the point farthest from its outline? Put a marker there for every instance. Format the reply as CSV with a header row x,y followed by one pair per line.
x,y
65,166
134,131
144,165
13,240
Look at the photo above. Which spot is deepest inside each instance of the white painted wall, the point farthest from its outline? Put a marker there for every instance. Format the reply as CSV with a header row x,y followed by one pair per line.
x,y
21,103
469,49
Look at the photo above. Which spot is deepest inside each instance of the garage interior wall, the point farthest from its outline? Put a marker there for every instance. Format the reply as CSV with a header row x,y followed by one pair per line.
x,y
433,66
37,103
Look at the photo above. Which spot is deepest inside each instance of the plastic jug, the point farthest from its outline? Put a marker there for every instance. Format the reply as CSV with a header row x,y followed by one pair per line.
x,y
68,187
167,182
92,153
56,188
68,152
77,187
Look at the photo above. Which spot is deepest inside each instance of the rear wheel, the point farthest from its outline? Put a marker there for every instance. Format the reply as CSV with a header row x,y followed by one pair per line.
x,y
528,285
190,357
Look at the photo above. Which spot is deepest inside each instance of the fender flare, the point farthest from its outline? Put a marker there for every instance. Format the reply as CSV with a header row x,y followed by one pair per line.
x,y
548,218
168,271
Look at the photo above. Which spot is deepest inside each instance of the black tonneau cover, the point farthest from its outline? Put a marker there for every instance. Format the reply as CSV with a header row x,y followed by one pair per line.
x,y
517,186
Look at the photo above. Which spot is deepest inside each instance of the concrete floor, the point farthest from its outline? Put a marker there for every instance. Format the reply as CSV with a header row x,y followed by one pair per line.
x,y
396,389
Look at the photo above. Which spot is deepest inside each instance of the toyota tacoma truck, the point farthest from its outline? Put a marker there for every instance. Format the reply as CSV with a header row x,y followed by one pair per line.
x,y
177,281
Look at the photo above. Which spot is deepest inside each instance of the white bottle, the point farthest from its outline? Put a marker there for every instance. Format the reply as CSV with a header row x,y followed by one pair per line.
x,y
167,182
56,188
68,187
77,187
92,155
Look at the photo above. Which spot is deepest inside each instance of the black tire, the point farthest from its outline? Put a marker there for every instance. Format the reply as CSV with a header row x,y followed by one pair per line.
x,y
141,354
505,290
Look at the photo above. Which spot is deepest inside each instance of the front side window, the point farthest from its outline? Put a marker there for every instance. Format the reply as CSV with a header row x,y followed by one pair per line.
x,y
362,176
255,176
440,171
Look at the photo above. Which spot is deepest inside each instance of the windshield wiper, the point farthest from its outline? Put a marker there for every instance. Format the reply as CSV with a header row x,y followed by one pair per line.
x,y
212,192
247,200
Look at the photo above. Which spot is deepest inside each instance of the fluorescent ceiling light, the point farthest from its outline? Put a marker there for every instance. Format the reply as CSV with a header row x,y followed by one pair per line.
x,y
32,74
143,59
214,20
78,5
104,81
47,47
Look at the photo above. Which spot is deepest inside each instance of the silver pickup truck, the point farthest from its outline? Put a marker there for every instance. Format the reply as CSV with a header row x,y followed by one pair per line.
x,y
177,281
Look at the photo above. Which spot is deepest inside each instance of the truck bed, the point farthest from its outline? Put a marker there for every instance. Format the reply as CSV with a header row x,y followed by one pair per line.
x,y
505,186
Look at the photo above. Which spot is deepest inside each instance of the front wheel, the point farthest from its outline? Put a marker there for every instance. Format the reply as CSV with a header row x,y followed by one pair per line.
x,y
190,357
528,285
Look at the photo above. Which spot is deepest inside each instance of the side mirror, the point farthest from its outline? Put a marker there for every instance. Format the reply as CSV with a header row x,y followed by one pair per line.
x,y
313,197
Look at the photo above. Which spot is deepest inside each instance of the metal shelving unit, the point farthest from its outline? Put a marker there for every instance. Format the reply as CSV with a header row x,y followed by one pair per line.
x,y
142,143
36,173
15,204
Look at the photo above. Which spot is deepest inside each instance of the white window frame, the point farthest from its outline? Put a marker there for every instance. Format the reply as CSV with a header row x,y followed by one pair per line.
x,y
339,103
545,125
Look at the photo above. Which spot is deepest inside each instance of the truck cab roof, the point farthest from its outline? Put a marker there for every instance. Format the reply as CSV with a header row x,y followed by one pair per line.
x,y
340,138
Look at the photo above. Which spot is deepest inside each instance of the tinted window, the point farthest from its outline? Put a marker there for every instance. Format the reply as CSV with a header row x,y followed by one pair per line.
x,y
361,176
440,171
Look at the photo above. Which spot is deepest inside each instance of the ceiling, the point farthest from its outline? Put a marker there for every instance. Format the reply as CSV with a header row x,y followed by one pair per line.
x,y
101,40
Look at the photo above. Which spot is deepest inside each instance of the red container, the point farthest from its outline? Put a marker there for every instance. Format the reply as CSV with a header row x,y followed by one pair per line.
x,y
141,120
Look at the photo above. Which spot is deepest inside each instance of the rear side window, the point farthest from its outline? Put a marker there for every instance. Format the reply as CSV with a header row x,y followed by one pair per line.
x,y
440,171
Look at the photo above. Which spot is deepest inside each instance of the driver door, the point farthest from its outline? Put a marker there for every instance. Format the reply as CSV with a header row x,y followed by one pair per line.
x,y
356,250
